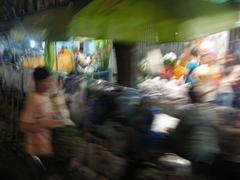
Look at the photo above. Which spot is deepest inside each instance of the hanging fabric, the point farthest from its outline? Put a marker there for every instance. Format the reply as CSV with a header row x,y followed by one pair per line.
x,y
49,55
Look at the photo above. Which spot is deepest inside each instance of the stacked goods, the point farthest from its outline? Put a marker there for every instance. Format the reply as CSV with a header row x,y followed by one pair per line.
x,y
113,136
227,115
117,129
229,140
16,80
68,142
108,135
195,137
227,130
168,107
128,101
32,62
112,102
105,163
6,72
165,90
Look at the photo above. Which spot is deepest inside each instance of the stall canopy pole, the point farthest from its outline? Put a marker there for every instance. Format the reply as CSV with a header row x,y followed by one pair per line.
x,y
126,64
49,55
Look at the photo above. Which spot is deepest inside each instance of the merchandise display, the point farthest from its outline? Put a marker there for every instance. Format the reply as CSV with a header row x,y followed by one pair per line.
x,y
141,125
119,127
196,137
162,129
12,79
32,62
165,90
179,117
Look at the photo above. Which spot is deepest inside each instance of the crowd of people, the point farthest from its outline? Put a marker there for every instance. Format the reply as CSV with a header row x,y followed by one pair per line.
x,y
209,79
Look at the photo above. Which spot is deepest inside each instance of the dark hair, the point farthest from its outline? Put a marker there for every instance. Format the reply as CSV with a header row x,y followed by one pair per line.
x,y
40,73
192,95
81,49
194,52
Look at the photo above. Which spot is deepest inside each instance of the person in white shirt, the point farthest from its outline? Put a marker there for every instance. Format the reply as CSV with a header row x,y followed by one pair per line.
x,y
205,85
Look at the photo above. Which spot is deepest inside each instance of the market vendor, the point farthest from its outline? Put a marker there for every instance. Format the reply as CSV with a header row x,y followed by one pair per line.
x,y
205,85
167,71
191,66
38,117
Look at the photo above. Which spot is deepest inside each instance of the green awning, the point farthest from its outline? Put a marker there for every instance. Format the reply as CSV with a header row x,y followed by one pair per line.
x,y
132,21
155,20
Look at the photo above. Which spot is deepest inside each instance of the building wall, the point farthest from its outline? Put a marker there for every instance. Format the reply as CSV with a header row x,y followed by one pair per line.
x,y
220,43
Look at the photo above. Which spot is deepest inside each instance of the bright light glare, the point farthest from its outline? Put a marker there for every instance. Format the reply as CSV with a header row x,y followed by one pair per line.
x,y
163,122
206,45
32,43
43,45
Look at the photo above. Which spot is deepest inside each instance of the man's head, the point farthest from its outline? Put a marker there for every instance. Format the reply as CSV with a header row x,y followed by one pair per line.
x,y
43,79
207,57
194,53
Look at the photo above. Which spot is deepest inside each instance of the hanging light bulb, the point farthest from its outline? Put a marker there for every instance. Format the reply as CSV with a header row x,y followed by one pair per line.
x,y
32,43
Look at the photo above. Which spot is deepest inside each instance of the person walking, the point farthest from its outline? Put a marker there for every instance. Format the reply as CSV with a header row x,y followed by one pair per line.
x,y
38,118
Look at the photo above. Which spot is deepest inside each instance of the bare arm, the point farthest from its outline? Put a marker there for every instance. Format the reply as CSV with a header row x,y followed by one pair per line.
x,y
44,123
49,123
185,72
205,93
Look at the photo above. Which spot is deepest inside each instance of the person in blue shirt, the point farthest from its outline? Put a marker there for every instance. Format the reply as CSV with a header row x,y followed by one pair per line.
x,y
191,66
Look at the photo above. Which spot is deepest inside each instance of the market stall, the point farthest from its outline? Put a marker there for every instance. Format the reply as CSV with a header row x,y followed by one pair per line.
x,y
119,132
